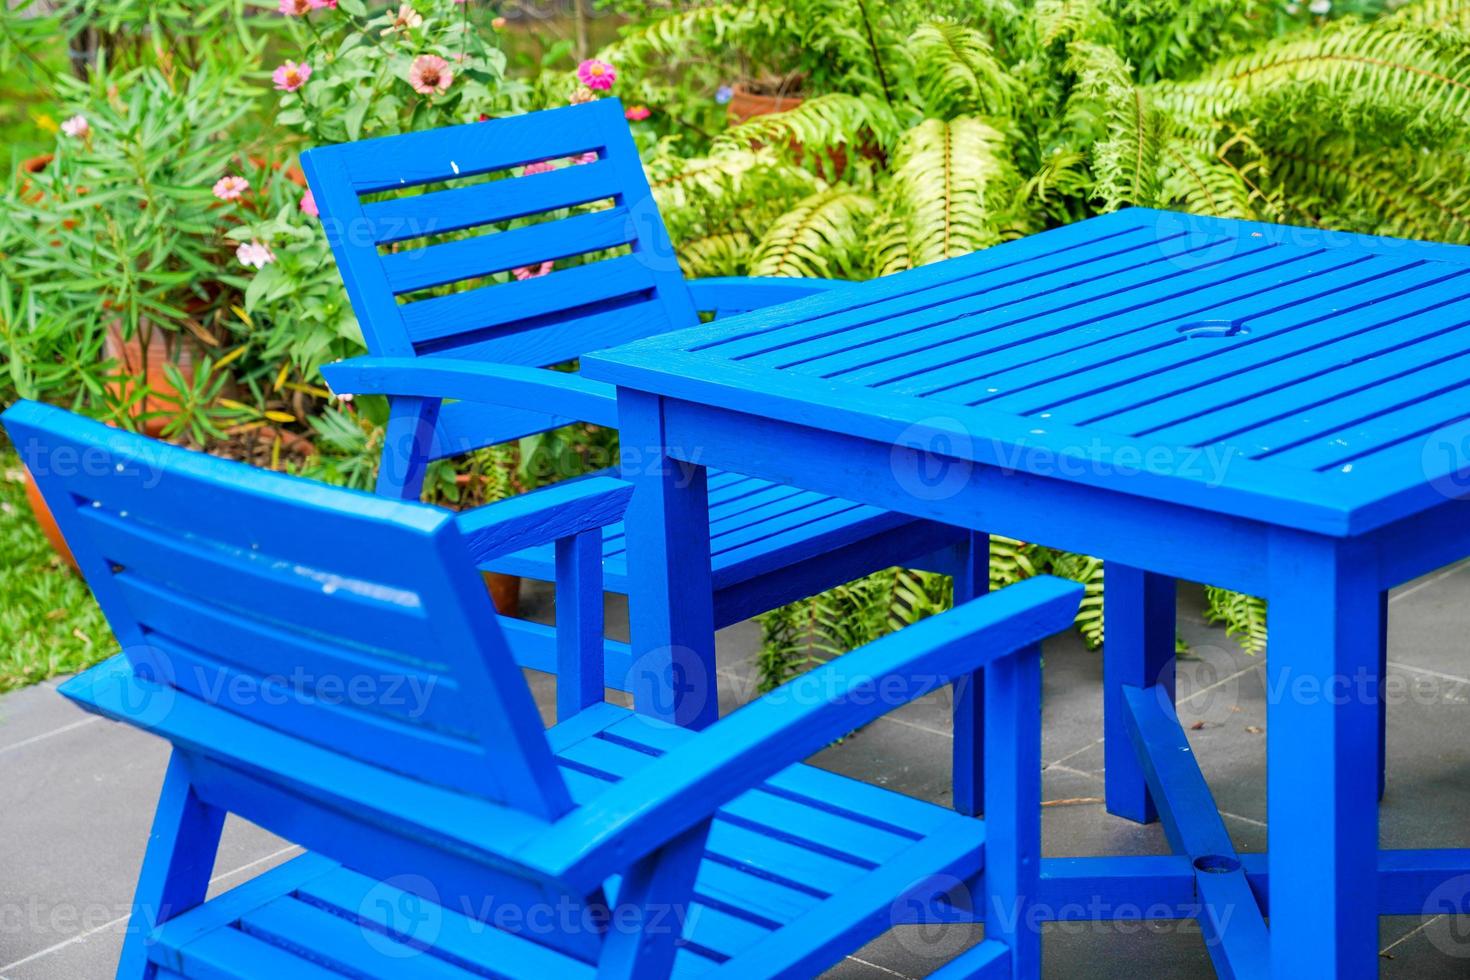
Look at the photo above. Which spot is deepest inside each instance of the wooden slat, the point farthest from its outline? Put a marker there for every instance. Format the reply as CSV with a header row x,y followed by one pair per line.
x,y
562,335
847,337
1398,411
228,954
434,319
822,936
368,678
765,331
769,814
437,265
388,163
1043,354
1045,346
1347,307
456,933
440,212
389,624
1255,395
346,946
817,787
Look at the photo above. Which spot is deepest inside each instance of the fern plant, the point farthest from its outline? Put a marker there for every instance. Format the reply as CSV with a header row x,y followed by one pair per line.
x,y
931,130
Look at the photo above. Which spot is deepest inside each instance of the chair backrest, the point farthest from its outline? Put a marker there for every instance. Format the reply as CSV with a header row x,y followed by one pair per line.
x,y
418,225
352,621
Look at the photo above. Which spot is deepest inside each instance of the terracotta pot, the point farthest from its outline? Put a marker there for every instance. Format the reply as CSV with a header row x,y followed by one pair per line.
x,y
163,348
745,104
505,592
45,519
293,174
37,163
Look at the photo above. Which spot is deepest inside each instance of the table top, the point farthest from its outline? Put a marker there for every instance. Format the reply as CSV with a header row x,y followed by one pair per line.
x,y
1302,377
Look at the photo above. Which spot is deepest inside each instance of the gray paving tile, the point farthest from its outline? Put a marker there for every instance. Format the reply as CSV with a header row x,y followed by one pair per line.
x,y
81,794
75,823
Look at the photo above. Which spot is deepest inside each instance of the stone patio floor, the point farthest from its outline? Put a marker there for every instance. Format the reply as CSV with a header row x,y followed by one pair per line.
x,y
79,795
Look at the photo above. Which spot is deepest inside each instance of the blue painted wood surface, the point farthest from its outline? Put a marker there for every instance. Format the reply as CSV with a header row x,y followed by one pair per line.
x,y
327,665
417,225
1277,410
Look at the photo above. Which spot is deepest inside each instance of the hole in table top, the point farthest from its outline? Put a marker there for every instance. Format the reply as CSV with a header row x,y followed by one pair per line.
x,y
1213,329
1216,864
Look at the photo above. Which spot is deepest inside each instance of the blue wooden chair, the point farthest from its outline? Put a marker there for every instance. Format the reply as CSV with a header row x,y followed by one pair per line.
x,y
325,664
465,369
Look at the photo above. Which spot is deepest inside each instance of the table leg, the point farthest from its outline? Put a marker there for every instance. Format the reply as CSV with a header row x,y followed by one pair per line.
x,y
670,594
1382,702
971,581
1322,768
1138,652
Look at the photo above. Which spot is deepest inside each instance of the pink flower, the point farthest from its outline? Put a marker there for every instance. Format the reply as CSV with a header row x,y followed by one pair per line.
x,y
539,167
230,188
295,8
323,4
636,113
596,74
532,272
405,20
429,74
291,76
308,205
77,127
589,157
254,254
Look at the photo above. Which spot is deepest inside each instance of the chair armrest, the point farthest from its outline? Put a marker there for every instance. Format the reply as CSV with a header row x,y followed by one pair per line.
x,y
726,295
558,511
737,753
508,385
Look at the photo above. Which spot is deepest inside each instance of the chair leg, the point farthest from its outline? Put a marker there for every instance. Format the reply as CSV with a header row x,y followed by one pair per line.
x,y
1382,701
406,445
176,866
653,904
1013,807
1138,652
580,666
971,580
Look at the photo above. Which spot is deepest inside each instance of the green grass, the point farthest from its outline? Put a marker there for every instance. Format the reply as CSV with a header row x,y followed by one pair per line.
x,y
49,623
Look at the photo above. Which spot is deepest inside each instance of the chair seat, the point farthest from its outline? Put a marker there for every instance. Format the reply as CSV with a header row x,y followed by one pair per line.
x,y
810,855
756,527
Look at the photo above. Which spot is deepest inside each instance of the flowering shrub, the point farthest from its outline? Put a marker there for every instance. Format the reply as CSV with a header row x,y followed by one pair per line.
x,y
356,74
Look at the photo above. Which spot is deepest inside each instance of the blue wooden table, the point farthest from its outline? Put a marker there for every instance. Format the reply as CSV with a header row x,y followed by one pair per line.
x,y
1281,411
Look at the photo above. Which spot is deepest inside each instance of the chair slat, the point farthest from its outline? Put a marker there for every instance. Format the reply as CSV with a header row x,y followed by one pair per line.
x,y
471,149
357,611
440,212
380,740
437,265
272,653
560,336
494,306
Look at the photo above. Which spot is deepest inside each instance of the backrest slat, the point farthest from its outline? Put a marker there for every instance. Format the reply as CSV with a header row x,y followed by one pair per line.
x,y
397,162
426,213
553,338
337,607
277,654
471,258
363,619
446,317
403,218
